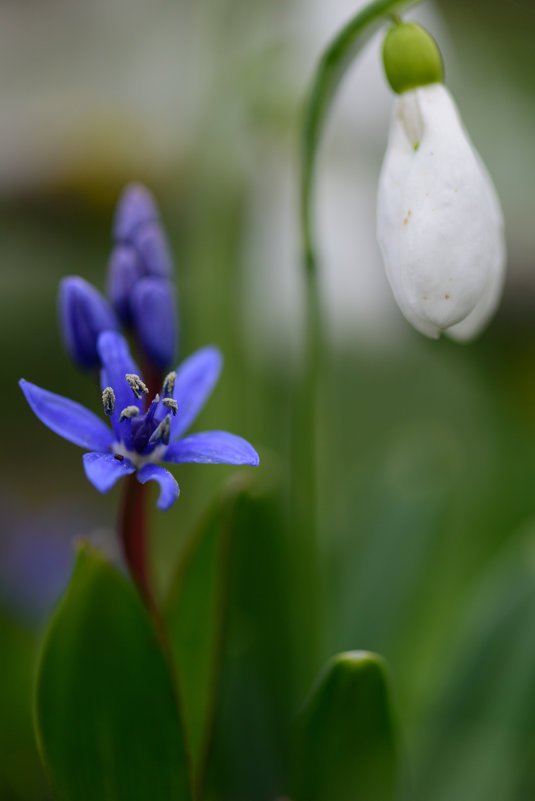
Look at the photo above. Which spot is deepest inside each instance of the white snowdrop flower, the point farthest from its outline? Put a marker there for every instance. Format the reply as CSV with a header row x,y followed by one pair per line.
x,y
439,222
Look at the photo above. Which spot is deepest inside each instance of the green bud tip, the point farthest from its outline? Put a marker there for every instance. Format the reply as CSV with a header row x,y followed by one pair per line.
x,y
411,57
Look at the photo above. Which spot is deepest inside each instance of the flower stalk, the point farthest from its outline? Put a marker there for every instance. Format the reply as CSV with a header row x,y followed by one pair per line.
x,y
133,534
305,479
333,65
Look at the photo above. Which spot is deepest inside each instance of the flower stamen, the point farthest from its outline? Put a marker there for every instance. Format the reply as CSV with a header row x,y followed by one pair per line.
x,y
162,433
128,412
169,384
170,403
108,400
137,386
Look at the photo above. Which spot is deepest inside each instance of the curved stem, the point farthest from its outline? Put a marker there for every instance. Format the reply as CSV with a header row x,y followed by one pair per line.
x,y
332,67
305,490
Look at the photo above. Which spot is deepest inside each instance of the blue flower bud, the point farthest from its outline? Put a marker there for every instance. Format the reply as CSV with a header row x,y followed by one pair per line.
x,y
83,314
154,319
136,206
124,271
151,243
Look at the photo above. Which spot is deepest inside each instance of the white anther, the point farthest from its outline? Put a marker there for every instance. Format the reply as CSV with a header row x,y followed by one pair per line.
x,y
137,386
108,400
170,403
128,412
169,384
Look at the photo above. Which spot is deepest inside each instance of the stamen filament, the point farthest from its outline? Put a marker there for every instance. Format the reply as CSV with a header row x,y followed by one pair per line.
x,y
163,432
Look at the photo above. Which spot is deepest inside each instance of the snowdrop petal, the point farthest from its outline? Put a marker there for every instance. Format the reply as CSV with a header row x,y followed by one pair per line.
x,y
439,223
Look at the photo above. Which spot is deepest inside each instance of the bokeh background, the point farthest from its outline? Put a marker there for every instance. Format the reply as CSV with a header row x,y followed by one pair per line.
x,y
426,449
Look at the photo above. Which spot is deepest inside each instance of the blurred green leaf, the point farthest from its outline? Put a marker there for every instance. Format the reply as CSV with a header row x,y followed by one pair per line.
x,y
480,742
106,713
346,742
194,615
258,691
21,775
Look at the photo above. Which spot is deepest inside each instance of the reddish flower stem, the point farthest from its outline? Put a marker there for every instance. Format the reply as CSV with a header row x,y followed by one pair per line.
x,y
132,525
133,535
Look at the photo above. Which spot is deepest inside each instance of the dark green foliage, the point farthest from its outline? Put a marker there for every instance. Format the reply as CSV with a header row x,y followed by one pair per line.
x,y
106,713
346,741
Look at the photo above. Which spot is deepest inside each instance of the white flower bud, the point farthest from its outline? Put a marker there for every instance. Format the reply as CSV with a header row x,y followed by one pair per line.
x,y
439,222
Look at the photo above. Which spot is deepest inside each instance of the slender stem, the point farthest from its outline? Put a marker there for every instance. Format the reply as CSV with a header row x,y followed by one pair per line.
x,y
133,534
307,558
333,65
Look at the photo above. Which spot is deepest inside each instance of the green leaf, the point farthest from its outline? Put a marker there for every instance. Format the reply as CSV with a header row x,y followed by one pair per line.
x,y
21,774
106,711
332,67
480,743
194,615
346,742
259,684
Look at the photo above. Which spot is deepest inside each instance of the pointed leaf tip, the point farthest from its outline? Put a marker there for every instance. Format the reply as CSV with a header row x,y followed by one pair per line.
x,y
345,740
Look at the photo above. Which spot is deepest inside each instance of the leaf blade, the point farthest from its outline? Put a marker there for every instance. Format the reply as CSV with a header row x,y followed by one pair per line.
x,y
106,713
194,615
346,745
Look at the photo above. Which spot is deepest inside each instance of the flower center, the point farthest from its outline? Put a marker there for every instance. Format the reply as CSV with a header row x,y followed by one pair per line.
x,y
143,437
138,460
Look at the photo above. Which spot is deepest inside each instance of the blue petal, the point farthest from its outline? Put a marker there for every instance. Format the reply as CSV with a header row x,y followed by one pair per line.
x,y
212,447
151,243
83,314
103,469
196,377
136,206
116,363
68,419
155,319
124,270
169,490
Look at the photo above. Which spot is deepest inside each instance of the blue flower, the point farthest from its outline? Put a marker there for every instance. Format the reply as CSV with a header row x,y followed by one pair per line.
x,y
83,315
141,437
139,275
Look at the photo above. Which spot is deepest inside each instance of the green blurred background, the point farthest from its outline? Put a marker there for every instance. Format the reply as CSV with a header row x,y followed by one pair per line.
x,y
426,449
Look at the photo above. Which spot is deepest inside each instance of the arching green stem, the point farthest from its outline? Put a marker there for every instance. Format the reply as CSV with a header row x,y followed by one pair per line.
x,y
332,67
